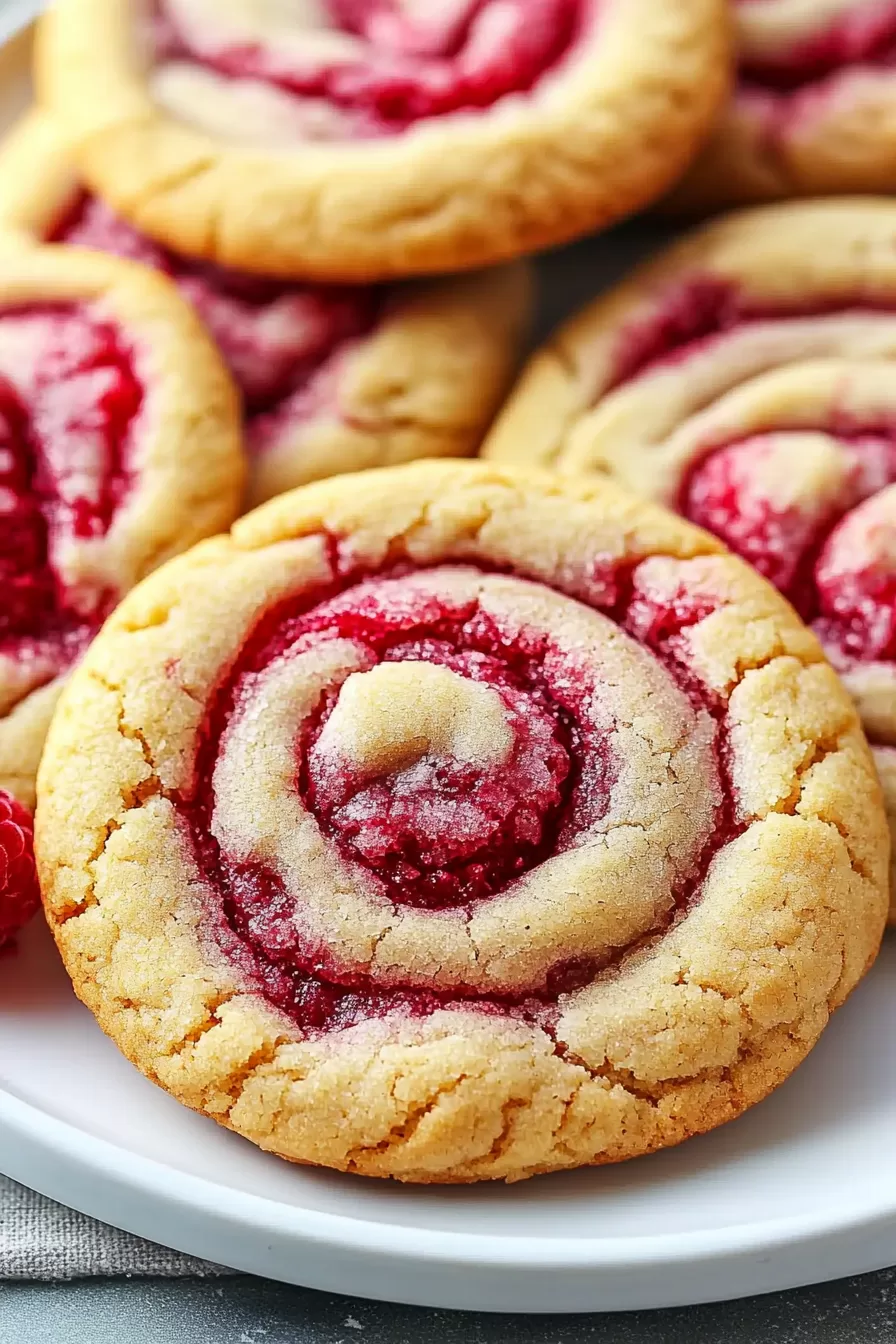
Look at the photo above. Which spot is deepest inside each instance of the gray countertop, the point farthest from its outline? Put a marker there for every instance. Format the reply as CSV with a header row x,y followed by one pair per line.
x,y
248,1311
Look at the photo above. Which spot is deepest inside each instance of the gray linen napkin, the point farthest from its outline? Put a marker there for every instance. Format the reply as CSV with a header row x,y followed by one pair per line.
x,y
43,1240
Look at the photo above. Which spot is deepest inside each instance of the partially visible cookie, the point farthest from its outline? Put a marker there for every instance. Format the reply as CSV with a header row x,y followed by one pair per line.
x,y
119,446
814,106
372,139
748,379
332,379
495,823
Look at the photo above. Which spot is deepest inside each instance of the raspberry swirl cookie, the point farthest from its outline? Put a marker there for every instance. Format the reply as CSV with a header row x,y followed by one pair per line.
x,y
814,107
332,379
366,139
119,446
497,824
747,380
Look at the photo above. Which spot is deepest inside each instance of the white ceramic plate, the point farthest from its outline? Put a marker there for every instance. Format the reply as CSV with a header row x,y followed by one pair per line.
x,y
800,1190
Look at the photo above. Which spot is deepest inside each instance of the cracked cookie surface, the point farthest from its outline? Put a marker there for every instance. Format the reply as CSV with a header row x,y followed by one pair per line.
x,y
495,824
370,139
332,379
120,446
746,379
813,111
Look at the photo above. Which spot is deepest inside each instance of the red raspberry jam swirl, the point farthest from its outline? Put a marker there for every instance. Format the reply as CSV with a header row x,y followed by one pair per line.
x,y
831,556
685,319
282,342
65,469
437,832
388,67
863,37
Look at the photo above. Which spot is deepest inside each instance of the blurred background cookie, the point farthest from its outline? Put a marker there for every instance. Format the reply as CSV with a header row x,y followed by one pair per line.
x,y
121,445
367,139
814,106
747,379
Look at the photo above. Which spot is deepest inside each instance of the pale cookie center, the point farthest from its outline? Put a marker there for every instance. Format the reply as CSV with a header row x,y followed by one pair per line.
x,y
393,716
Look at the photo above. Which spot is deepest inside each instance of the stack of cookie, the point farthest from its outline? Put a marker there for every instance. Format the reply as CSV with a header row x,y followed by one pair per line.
x,y
450,820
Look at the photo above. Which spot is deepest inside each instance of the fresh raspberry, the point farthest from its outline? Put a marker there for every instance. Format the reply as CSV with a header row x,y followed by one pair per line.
x,y
19,891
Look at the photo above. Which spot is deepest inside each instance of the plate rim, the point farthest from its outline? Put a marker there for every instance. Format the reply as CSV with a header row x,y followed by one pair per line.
x,y
143,1175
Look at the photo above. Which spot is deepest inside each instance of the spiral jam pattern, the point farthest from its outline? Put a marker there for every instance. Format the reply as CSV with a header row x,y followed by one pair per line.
x,y
360,68
816,523
332,377
802,495
433,746
794,48
119,445
69,399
